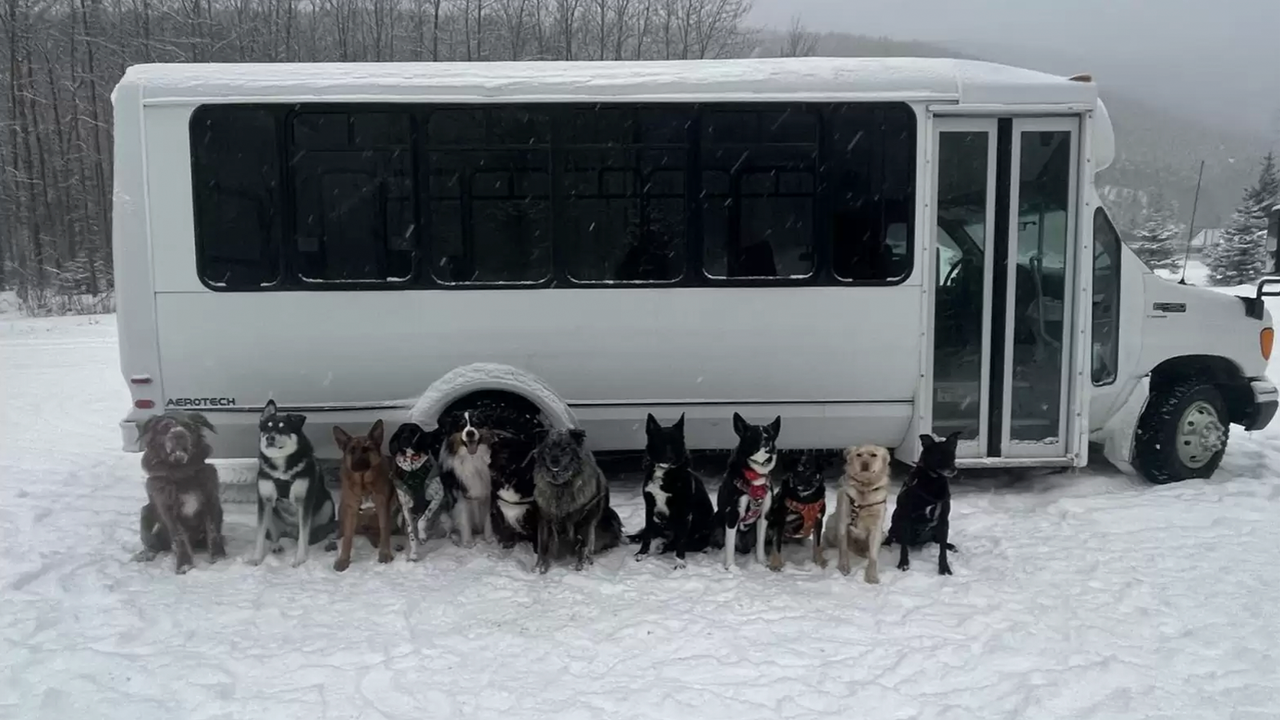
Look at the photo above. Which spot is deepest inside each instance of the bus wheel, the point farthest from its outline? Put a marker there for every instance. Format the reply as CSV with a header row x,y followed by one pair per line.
x,y
1182,433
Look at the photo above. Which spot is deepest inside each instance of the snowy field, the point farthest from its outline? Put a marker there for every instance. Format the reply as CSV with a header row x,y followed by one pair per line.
x,y
1077,595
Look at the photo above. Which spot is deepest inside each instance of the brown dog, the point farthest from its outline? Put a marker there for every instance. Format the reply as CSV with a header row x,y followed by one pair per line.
x,y
183,510
365,476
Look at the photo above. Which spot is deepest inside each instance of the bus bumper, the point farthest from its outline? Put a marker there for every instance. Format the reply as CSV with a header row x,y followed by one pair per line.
x,y
1265,400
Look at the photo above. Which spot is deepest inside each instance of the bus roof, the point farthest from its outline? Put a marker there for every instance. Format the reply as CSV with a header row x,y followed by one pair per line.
x,y
966,82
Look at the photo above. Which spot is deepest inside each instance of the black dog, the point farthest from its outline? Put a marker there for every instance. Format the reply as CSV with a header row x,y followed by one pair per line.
x,y
420,492
515,514
798,509
292,498
923,512
745,496
677,508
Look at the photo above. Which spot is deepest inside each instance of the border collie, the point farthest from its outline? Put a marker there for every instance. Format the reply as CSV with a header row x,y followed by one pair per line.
x,y
464,464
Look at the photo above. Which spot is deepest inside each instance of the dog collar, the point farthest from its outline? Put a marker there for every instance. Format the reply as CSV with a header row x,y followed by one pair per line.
x,y
504,501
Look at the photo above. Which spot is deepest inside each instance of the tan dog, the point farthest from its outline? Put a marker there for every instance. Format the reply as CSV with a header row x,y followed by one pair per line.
x,y
857,525
365,475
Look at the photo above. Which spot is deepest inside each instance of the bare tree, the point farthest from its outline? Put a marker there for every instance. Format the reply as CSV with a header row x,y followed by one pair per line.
x,y
799,42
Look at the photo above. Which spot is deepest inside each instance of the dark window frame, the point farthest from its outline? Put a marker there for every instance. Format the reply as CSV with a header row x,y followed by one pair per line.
x,y
1116,253
422,277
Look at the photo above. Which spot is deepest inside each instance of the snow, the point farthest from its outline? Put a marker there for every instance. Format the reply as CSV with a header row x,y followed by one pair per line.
x,y
935,79
490,376
1076,595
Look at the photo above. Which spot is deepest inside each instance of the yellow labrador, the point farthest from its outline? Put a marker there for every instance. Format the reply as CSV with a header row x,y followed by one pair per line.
x,y
858,521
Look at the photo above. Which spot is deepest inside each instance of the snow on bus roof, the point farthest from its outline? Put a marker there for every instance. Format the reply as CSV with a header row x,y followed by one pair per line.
x,y
938,79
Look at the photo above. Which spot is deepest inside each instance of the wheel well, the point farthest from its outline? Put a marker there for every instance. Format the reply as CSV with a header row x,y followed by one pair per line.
x,y
482,398
1218,371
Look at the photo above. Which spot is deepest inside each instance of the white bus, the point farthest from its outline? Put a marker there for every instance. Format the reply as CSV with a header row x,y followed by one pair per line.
x,y
870,248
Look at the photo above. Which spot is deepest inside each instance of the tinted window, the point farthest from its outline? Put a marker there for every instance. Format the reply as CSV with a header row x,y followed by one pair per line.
x,y
759,192
624,196
489,195
1106,299
235,170
352,189
870,172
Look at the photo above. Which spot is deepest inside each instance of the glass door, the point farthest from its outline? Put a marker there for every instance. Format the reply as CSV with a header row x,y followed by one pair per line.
x,y
962,223
1004,233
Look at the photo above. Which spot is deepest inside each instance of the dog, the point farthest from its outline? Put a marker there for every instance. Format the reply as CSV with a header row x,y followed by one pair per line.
x,y
292,498
515,513
798,509
365,477
677,508
746,496
923,512
420,492
573,500
857,525
183,510
464,463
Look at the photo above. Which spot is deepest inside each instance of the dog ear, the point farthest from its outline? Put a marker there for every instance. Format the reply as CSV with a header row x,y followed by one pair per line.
x,y
776,426
375,433
341,437
927,441
579,435
268,410
296,420
148,427
651,425
954,438
848,453
740,426
199,420
679,424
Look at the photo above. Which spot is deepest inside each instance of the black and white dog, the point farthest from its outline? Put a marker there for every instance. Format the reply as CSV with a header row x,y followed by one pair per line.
x,y
677,508
292,498
923,512
745,496
424,503
515,513
464,464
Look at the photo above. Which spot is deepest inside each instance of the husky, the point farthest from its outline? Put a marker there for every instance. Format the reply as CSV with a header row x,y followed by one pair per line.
x,y
292,498
745,495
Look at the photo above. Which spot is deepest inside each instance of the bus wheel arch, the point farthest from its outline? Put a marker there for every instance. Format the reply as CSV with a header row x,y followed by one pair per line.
x,y
1184,428
481,385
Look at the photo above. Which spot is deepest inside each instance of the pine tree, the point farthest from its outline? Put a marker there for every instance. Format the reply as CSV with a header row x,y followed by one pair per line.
x,y
1240,256
1156,241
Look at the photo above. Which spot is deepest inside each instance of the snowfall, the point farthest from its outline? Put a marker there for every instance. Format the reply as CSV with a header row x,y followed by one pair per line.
x,y
1083,594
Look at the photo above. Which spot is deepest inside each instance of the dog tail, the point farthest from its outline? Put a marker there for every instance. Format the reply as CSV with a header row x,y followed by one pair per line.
x,y
608,531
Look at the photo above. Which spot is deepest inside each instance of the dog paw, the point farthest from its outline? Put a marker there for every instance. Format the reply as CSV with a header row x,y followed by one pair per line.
x,y
680,564
542,568
143,556
340,565
217,554
944,569
183,568
904,566
843,566
871,577
385,556
331,546
298,562
641,557
775,562
820,561
277,549
507,545
413,556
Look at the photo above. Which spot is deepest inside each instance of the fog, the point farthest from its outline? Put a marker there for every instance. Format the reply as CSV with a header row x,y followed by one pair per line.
x,y
1214,61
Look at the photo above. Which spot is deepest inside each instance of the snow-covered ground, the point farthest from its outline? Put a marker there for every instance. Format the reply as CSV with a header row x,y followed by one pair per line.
x,y
1080,595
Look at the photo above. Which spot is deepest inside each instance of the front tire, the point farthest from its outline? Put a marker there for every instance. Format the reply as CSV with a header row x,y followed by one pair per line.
x,y
1182,433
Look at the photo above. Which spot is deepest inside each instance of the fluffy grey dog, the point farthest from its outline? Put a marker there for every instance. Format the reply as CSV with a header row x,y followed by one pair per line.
x,y
183,510
573,500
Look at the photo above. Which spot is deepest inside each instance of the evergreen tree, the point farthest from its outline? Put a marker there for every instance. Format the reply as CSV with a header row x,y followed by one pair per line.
x,y
1158,240
1241,254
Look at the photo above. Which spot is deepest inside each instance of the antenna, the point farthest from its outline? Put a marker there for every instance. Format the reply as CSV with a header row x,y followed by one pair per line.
x,y
1192,227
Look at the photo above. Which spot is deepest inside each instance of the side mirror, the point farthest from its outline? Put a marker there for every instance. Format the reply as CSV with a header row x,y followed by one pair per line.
x,y
1268,287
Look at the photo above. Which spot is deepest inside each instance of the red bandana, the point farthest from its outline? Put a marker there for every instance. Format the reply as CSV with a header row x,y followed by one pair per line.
x,y
756,488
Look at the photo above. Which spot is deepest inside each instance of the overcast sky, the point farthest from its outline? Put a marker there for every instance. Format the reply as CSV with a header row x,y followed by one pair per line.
x,y
1222,54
